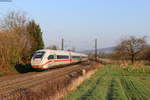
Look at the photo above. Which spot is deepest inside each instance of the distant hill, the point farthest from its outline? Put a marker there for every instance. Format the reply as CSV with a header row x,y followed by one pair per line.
x,y
105,50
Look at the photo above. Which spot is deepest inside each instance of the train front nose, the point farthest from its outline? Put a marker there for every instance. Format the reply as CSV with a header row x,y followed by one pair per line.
x,y
36,61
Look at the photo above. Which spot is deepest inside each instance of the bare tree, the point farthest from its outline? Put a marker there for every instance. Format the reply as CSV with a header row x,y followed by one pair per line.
x,y
15,39
130,48
13,19
145,54
10,53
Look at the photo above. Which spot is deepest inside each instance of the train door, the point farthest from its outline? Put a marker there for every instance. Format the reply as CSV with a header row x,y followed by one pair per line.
x,y
51,60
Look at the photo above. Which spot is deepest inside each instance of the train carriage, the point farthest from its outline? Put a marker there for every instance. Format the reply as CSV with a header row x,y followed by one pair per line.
x,y
44,59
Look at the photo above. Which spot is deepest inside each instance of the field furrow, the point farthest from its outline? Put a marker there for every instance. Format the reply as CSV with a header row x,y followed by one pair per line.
x,y
114,83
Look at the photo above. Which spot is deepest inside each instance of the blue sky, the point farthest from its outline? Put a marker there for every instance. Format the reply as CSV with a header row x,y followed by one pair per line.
x,y
79,22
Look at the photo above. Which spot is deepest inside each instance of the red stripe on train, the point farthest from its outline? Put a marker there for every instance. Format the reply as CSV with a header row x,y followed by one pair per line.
x,y
42,64
55,61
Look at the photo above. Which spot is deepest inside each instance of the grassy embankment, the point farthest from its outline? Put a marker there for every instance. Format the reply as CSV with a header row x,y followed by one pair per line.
x,y
115,83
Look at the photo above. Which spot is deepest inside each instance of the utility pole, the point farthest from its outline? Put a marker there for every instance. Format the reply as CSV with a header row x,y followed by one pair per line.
x,y
95,49
62,44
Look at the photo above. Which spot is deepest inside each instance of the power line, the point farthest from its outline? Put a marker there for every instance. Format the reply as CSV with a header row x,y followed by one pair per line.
x,y
64,44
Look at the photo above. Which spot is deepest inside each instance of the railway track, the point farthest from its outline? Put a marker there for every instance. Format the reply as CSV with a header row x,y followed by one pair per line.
x,y
9,84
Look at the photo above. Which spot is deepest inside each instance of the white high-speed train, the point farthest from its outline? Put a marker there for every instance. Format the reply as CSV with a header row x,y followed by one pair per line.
x,y
45,58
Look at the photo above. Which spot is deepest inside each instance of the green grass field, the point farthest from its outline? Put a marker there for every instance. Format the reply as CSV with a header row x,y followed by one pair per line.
x,y
113,83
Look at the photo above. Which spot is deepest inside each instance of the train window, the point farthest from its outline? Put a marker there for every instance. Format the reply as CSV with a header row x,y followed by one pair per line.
x,y
50,57
76,57
62,57
39,54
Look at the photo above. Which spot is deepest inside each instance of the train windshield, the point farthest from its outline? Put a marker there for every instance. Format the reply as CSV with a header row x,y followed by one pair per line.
x,y
39,54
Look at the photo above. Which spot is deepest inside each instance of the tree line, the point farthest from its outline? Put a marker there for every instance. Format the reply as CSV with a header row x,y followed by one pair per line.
x,y
20,37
